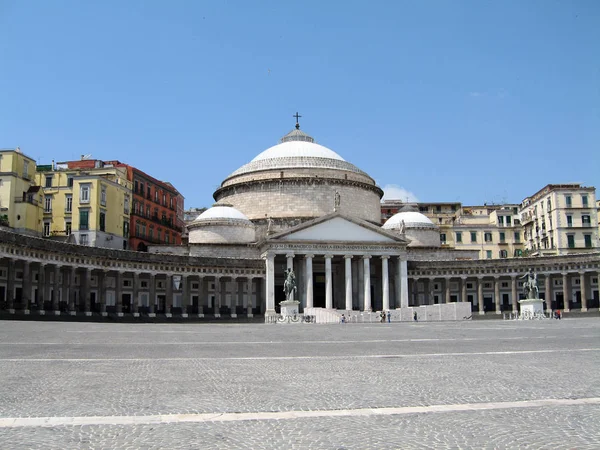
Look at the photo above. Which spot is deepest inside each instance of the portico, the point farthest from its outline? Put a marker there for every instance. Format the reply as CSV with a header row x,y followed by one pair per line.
x,y
340,263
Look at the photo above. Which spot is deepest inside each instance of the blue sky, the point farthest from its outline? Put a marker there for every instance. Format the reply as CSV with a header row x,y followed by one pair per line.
x,y
471,101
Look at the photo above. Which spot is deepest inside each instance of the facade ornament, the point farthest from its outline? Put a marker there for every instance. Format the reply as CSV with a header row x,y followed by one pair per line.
x,y
336,201
289,285
530,287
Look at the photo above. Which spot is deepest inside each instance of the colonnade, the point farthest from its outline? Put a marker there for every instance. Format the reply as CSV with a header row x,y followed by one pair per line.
x,y
59,288
352,280
560,290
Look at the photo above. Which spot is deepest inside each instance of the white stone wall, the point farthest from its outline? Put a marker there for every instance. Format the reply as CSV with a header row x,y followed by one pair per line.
x,y
221,234
224,251
299,173
181,250
423,237
288,200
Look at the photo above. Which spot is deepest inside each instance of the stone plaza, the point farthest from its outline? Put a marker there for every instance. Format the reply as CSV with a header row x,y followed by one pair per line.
x,y
473,384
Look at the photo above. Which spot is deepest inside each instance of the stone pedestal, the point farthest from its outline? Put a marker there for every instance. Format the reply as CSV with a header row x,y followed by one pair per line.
x,y
289,312
531,308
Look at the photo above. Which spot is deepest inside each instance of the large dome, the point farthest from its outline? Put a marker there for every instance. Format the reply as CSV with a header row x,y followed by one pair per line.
x,y
296,150
411,219
221,212
416,227
298,180
221,224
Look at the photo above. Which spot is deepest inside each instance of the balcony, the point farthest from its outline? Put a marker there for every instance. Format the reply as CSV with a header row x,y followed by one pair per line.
x,y
30,200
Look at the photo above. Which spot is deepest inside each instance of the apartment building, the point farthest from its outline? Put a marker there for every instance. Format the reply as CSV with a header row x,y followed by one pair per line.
x,y
87,201
20,197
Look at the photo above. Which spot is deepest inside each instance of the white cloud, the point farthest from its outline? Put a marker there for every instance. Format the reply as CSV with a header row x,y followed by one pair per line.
x,y
395,192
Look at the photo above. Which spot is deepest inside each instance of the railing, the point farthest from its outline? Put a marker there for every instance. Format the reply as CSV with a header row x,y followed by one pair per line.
x,y
29,200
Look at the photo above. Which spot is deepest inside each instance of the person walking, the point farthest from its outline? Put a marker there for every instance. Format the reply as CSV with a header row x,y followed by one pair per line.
x,y
415,317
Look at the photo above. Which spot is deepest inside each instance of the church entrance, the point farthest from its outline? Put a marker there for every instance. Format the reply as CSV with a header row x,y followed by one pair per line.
x,y
319,290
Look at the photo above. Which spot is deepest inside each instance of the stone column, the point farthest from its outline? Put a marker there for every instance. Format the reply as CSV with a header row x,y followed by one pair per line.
x,y
328,283
385,283
135,294
119,293
497,294
447,289
26,287
270,283
548,293
10,286
169,296
348,280
463,289
102,285
403,282
427,290
514,294
56,291
583,291
480,295
42,288
309,280
185,295
86,281
249,296
201,296
565,279
367,282
72,291
152,295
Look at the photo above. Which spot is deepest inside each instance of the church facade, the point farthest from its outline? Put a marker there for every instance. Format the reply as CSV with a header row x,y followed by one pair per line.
x,y
300,206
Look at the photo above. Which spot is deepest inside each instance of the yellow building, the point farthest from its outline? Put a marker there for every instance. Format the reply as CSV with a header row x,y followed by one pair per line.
x,y
560,219
89,204
20,198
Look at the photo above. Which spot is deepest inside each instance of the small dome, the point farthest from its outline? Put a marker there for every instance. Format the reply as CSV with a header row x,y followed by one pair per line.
x,y
411,218
221,212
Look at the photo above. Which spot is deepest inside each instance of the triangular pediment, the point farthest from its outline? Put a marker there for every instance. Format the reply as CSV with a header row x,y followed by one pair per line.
x,y
338,228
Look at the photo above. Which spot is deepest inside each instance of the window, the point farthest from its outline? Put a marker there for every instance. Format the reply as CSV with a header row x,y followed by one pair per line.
x,y
48,181
571,240
438,208
473,236
143,230
151,233
164,199
568,200
137,230
69,181
126,205
125,229
68,203
423,208
102,221
487,237
83,239
443,238
103,195
149,194
501,220
166,238
47,204
147,210
46,229
548,205
503,254
502,237
84,193
171,202
84,216
588,240
508,221
141,189
584,201
155,196
585,220
488,254
26,169
518,252
135,184
569,221
458,236
68,228
517,236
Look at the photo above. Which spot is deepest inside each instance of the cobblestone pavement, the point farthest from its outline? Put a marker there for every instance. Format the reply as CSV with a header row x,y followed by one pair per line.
x,y
204,386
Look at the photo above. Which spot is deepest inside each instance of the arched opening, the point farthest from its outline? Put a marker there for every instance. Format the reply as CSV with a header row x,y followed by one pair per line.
x,y
141,247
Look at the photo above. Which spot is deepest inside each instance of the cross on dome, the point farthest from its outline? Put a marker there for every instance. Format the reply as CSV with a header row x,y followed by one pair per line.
x,y
297,116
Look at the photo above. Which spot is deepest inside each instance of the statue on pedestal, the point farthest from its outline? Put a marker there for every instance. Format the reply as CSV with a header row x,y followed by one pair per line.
x,y
530,287
289,285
